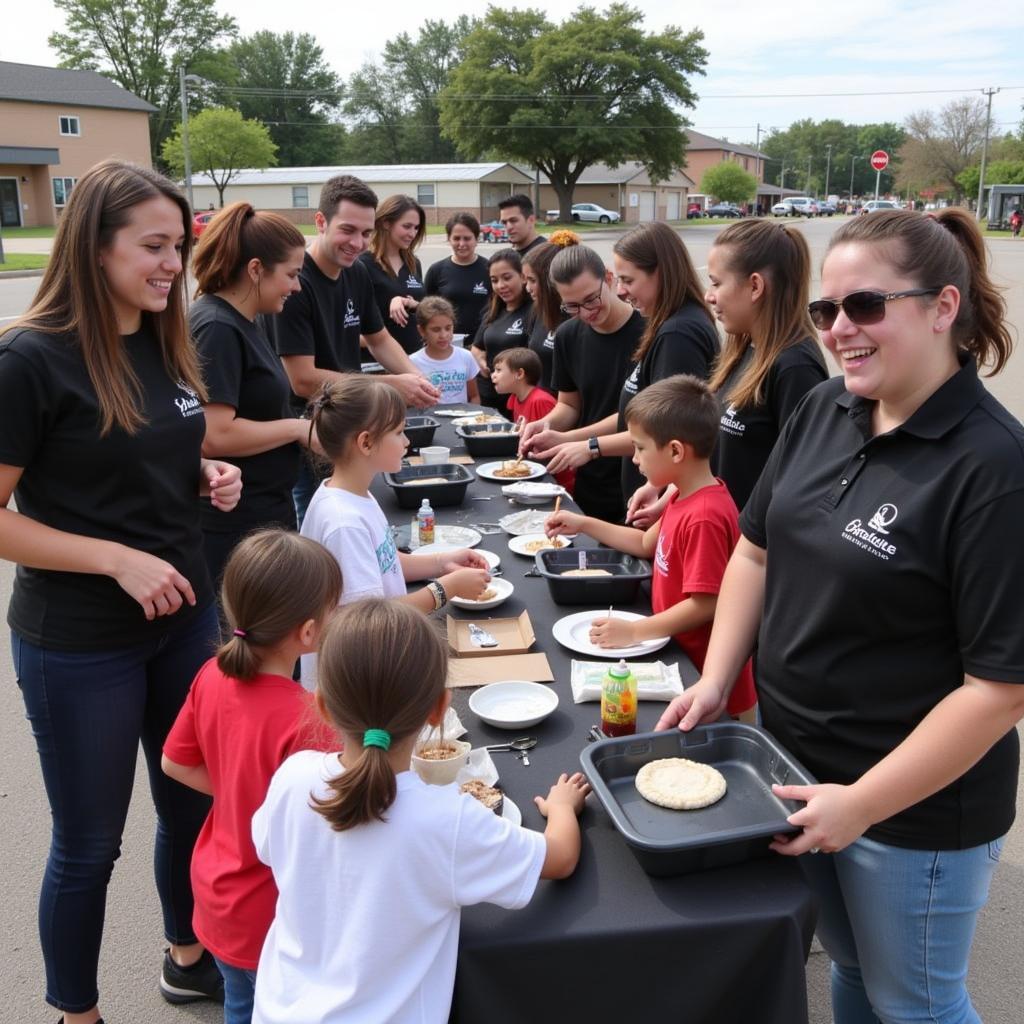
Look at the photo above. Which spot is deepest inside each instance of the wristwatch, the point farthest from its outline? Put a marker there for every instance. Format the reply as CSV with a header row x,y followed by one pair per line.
x,y
593,447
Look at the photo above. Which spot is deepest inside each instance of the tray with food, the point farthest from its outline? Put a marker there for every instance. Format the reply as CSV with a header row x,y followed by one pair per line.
x,y
441,484
489,439
688,801
419,430
592,575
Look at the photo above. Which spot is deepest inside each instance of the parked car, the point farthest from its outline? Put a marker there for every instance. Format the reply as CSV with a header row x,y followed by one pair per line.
x,y
694,211
873,205
493,231
199,222
826,208
588,213
724,210
795,206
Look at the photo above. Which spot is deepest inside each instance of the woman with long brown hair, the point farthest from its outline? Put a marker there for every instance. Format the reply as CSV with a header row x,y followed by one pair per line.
x,y
547,303
394,268
112,611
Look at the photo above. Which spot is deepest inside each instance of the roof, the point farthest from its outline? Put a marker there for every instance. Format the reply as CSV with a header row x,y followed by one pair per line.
x,y
31,83
697,141
602,174
369,173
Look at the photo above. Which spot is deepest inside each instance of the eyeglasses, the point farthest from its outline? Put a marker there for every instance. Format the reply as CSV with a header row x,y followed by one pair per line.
x,y
589,304
861,308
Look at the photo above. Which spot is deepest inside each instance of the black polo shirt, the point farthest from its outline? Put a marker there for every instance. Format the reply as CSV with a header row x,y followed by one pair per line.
x,y
467,288
747,434
407,283
326,318
510,329
894,567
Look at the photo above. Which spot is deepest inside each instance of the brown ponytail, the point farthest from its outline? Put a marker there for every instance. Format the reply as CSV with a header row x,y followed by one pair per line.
x,y
237,235
382,666
938,250
274,581
345,408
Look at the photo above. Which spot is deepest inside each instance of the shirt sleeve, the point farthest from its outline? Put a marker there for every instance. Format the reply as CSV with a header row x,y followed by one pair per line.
x,y
704,551
680,351
292,328
353,548
478,338
220,349
27,403
494,860
561,369
370,319
182,743
987,569
791,385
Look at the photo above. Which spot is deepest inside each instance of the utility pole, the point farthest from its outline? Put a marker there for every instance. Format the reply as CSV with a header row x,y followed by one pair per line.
x,y
984,149
853,163
183,82
828,166
807,186
757,168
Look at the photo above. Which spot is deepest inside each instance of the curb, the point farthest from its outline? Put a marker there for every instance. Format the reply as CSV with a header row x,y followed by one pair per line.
x,y
6,275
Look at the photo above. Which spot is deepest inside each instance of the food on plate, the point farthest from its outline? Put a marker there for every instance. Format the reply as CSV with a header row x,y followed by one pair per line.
x,y
515,468
533,546
587,572
680,784
488,595
491,797
421,480
438,752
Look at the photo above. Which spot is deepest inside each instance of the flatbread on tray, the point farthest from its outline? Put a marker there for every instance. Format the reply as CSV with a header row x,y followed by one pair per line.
x,y
680,784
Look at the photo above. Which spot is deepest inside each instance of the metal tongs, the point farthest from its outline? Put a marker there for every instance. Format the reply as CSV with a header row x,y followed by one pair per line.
x,y
480,637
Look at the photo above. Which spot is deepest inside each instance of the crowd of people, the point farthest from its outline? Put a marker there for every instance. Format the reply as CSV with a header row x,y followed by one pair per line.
x,y
835,555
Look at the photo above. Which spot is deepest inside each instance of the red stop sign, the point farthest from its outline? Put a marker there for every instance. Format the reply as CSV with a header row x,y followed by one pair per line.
x,y
879,160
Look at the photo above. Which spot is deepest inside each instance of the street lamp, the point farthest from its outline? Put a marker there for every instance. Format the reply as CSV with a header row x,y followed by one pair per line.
x,y
183,82
828,166
853,163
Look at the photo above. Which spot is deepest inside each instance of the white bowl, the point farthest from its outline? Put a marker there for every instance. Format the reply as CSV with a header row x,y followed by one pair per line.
x,y
513,704
440,773
503,590
521,545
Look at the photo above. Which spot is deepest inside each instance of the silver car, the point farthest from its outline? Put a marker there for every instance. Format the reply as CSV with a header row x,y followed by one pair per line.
x,y
589,212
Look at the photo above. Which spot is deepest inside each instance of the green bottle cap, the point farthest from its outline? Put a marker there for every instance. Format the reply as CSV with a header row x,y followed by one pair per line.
x,y
620,671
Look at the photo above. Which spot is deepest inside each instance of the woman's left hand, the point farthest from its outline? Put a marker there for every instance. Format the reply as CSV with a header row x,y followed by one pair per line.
x,y
569,455
465,559
399,307
831,819
222,482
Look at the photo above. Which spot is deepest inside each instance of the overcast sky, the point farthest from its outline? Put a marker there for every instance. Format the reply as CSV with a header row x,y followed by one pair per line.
x,y
760,53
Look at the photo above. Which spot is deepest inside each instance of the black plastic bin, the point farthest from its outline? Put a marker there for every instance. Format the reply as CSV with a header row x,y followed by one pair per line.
x,y
486,439
737,828
419,430
409,494
622,587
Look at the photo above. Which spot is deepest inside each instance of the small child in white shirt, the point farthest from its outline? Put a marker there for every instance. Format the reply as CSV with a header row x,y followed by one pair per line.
x,y
451,370
373,865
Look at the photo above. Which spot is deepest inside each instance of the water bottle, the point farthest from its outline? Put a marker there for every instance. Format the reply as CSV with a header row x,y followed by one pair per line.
x,y
425,523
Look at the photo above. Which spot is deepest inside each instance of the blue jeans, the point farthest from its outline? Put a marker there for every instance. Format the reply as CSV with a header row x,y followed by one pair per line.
x,y
305,487
898,925
89,711
239,990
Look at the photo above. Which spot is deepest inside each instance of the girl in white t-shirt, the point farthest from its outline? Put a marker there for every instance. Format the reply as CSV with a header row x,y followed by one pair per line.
x,y
372,865
451,370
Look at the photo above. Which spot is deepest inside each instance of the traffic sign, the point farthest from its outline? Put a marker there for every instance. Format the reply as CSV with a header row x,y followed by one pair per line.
x,y
879,160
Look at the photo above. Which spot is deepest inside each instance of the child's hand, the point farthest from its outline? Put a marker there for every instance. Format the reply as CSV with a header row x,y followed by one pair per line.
x,y
612,632
465,559
563,522
568,791
223,482
467,583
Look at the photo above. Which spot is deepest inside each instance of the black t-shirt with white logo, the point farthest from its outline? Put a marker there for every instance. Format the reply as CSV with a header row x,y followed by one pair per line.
x,y
467,288
242,370
387,287
507,330
748,434
138,489
894,567
326,318
542,341
595,365
687,342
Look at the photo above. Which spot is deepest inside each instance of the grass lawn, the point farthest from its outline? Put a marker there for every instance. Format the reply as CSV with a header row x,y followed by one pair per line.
x,y
28,232
23,261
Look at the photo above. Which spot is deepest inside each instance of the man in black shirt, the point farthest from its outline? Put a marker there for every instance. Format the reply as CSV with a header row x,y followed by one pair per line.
x,y
516,213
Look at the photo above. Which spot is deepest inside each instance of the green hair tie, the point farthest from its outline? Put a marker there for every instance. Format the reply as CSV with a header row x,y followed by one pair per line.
x,y
377,738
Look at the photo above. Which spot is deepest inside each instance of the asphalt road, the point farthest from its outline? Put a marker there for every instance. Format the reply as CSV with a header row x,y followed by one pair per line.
x,y
133,942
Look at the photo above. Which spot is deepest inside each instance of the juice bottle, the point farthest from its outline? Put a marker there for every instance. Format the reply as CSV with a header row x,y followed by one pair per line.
x,y
618,701
425,523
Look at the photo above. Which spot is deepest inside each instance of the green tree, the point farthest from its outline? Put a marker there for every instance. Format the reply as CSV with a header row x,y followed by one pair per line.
x,y
221,143
596,88
729,183
140,44
283,81
998,172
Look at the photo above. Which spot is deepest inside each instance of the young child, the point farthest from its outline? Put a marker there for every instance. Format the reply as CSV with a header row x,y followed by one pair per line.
x,y
372,864
673,425
360,425
451,370
243,716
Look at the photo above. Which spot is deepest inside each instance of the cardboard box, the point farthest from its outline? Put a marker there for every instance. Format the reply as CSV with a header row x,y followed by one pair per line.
x,y
514,636
534,668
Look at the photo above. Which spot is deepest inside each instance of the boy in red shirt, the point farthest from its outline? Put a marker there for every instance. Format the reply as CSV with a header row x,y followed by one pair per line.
x,y
674,424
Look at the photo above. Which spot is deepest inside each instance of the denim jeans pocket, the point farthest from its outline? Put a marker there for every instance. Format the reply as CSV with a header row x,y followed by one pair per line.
x,y
995,848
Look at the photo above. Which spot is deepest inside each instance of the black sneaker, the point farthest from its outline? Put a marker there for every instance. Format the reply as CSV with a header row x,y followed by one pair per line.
x,y
201,980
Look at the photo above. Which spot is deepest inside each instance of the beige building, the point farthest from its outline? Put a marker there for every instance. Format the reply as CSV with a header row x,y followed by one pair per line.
x,y
704,152
441,189
54,125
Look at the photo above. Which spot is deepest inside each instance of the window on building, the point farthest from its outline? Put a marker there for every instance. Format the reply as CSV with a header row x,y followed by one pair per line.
x,y
425,195
62,190
70,125
300,196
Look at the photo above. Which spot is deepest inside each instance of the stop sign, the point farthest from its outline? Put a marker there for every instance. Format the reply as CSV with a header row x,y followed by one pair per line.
x,y
879,160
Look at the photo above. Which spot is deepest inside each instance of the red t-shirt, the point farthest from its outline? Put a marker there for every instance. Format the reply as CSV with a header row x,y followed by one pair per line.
x,y
536,406
698,534
241,732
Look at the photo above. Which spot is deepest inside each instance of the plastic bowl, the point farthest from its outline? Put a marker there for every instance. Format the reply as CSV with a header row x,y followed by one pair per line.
x,y
514,704
440,773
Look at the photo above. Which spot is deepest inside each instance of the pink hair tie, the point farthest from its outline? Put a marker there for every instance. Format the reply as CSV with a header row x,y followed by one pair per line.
x,y
241,633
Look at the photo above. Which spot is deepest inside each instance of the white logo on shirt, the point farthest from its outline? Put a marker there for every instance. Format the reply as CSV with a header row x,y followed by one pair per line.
x,y
480,288
190,406
549,341
730,421
884,517
516,328
411,282
351,315
868,537
661,555
633,381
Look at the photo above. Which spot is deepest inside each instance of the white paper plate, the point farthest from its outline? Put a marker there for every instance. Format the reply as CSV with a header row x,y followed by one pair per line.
x,y
513,704
573,632
527,493
521,523
519,544
466,421
510,811
503,592
487,471
448,537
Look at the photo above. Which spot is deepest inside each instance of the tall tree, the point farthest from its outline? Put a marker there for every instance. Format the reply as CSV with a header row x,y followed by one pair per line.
x,y
594,89
729,183
140,44
221,143
942,145
284,81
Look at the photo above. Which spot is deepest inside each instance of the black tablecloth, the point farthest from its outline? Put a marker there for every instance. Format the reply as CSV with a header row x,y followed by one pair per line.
x,y
612,943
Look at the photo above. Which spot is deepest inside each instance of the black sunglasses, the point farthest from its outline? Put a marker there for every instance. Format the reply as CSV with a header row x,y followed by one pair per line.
x,y
861,308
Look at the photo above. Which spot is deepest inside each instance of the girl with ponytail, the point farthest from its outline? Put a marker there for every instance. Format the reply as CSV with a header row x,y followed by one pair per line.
x,y
244,715
881,563
372,864
246,264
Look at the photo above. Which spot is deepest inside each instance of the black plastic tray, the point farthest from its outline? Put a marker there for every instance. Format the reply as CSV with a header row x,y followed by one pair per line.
x,y
484,439
410,495
737,828
419,430
622,587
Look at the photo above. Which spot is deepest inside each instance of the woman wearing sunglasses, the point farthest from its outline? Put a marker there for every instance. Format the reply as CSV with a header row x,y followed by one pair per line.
x,y
875,562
